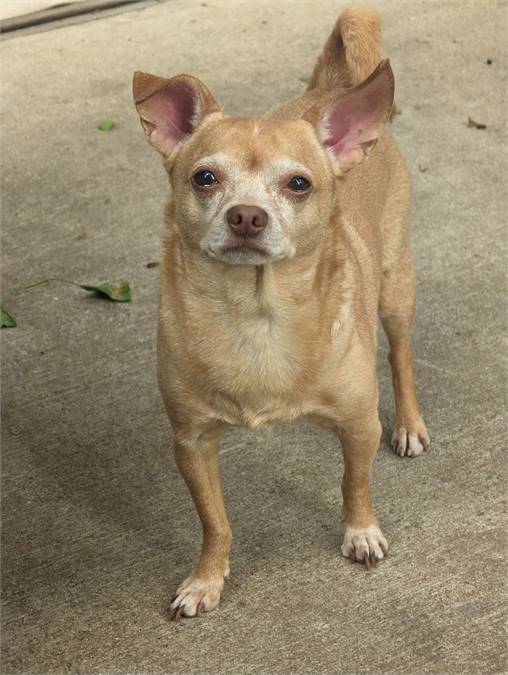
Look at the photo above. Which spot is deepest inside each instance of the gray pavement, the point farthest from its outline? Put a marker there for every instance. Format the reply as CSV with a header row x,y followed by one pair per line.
x,y
98,527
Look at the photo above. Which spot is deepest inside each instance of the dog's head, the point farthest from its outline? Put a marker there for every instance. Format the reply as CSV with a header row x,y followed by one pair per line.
x,y
257,190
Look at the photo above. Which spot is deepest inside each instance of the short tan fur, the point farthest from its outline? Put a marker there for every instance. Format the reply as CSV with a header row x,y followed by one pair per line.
x,y
287,236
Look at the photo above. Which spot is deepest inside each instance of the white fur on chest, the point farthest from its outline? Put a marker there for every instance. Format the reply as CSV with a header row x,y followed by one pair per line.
x,y
260,358
254,367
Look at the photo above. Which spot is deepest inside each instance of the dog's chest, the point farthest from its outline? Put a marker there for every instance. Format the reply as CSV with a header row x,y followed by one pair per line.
x,y
255,371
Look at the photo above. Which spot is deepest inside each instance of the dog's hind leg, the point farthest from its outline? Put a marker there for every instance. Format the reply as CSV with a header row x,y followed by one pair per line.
x,y
397,304
397,308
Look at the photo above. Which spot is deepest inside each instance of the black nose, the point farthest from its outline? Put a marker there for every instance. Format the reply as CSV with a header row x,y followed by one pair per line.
x,y
246,221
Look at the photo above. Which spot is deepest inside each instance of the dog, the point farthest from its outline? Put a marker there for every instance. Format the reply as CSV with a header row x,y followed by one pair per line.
x,y
287,236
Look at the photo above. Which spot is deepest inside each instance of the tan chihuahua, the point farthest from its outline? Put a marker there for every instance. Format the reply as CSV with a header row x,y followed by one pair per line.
x,y
283,244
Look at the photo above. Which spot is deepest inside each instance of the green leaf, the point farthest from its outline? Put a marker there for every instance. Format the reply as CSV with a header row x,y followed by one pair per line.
x,y
119,292
305,79
7,320
106,125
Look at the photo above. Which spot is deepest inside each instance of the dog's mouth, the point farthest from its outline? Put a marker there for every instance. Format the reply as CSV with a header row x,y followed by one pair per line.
x,y
238,250
244,245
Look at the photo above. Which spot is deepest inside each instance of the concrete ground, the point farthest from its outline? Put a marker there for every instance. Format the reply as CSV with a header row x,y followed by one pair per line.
x,y
98,528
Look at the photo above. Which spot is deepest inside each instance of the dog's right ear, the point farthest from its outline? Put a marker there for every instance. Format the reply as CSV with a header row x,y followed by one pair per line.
x,y
170,110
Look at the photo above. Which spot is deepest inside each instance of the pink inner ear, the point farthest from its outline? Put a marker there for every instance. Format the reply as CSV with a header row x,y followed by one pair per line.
x,y
171,111
349,120
357,117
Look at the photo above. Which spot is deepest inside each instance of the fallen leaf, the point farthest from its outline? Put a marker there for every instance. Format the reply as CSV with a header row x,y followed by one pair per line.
x,y
305,79
7,320
106,125
475,125
150,265
120,292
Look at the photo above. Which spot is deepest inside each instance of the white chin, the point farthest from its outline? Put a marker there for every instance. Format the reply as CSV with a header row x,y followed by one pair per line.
x,y
242,257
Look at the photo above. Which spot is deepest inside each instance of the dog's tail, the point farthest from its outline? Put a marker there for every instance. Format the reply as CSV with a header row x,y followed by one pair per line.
x,y
352,51
350,55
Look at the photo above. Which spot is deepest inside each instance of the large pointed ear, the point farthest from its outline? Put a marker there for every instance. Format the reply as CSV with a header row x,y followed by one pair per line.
x,y
349,126
170,110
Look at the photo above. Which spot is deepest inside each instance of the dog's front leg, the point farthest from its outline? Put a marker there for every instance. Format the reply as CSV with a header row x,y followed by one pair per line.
x,y
363,539
199,466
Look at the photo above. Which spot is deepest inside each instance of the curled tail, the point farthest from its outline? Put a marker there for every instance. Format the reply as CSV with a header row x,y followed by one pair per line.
x,y
352,51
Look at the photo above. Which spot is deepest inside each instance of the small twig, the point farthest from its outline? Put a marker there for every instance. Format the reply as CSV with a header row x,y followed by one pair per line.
x,y
18,289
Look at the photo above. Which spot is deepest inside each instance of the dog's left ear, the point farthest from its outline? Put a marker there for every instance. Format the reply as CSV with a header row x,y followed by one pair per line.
x,y
170,110
349,127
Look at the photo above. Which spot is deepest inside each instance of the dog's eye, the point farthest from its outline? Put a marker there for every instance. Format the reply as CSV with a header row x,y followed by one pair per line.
x,y
205,178
298,184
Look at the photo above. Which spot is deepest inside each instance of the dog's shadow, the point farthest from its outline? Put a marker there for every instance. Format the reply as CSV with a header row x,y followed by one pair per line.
x,y
115,472
283,494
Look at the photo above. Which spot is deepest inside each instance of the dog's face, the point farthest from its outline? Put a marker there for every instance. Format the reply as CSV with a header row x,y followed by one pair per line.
x,y
249,191
252,191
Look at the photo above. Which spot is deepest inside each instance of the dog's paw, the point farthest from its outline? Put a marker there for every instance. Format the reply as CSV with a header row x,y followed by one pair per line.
x,y
365,545
196,595
410,439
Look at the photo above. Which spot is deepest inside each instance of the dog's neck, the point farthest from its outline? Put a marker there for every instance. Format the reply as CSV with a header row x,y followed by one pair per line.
x,y
274,289
246,289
